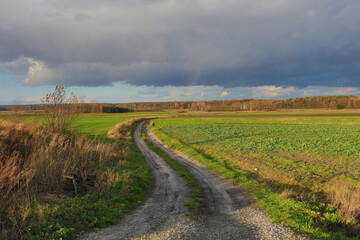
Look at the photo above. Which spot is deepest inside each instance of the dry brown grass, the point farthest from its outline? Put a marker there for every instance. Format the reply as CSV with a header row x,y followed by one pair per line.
x,y
122,130
288,193
345,196
34,161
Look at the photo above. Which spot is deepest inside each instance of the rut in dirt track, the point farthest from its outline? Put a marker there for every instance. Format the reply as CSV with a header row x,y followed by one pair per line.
x,y
231,213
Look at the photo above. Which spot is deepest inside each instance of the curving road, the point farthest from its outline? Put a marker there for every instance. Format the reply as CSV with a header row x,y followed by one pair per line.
x,y
231,212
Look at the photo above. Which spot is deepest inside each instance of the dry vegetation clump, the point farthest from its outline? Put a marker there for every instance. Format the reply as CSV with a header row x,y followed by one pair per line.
x,y
122,130
36,162
344,194
288,193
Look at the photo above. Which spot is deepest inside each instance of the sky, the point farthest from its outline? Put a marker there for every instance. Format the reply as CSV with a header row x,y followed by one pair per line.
x,y
166,50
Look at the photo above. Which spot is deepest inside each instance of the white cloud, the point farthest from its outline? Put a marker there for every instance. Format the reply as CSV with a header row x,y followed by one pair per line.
x,y
171,93
34,99
309,93
271,91
38,73
344,91
224,93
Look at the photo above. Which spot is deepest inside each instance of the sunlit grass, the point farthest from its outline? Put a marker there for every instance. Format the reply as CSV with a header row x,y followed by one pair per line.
x,y
291,165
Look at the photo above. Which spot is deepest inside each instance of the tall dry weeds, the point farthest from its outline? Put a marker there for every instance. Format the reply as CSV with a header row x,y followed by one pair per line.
x,y
345,196
35,161
122,130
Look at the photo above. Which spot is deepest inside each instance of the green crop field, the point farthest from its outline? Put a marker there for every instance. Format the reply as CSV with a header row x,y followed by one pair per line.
x,y
304,153
305,160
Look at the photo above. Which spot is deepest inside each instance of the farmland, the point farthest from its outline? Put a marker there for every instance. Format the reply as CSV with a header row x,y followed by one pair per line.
x,y
307,153
311,161
303,171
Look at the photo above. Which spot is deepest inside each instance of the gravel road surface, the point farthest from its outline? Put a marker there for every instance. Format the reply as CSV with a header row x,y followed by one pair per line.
x,y
231,212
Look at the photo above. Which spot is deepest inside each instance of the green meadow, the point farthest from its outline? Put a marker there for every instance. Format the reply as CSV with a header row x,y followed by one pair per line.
x,y
298,168
97,125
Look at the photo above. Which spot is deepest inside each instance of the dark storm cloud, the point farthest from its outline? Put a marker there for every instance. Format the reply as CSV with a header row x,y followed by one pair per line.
x,y
158,43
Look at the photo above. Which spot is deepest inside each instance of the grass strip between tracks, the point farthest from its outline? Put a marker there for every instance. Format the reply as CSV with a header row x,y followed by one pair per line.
x,y
300,216
197,203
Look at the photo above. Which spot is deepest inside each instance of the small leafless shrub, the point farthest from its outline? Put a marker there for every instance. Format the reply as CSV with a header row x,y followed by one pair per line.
x,y
60,111
16,106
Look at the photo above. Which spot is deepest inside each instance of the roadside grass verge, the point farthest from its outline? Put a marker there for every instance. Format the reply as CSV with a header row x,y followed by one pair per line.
x,y
38,196
307,214
197,203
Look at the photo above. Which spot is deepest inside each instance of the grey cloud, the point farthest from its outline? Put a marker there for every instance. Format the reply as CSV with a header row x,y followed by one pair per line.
x,y
99,74
163,42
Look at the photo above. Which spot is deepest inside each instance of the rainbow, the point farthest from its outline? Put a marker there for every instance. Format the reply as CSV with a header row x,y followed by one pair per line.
x,y
195,76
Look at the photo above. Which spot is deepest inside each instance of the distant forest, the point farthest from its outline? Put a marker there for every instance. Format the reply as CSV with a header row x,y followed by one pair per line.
x,y
82,108
327,102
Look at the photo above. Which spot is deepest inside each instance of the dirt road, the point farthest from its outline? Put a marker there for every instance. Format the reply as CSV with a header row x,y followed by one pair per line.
x,y
231,212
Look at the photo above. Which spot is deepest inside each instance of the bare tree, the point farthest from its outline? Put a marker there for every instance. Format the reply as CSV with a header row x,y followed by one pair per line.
x,y
16,106
60,111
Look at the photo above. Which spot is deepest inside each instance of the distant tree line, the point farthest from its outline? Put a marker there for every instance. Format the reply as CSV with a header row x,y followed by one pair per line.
x,y
326,102
28,107
81,108
102,108
115,109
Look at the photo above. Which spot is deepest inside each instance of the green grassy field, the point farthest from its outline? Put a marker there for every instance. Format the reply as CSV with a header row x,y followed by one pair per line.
x,y
280,111
308,154
99,124
286,120
294,166
92,124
